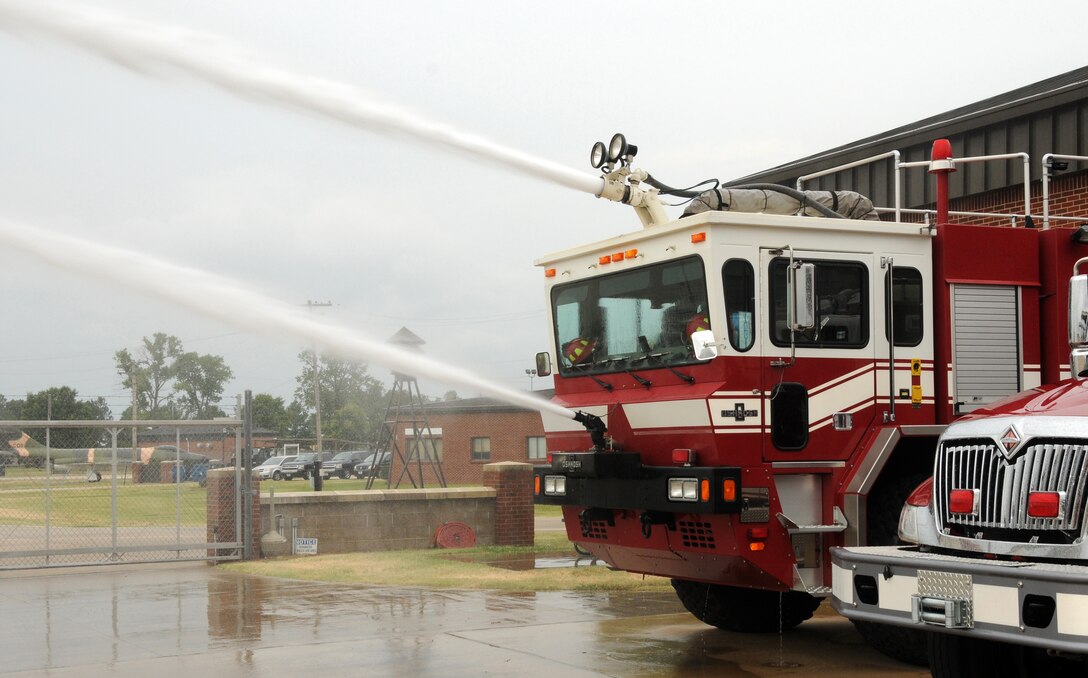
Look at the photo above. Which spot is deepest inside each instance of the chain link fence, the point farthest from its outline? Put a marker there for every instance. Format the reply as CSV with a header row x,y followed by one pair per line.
x,y
80,493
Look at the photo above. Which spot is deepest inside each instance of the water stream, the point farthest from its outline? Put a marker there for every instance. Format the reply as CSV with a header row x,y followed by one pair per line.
x,y
230,302
159,51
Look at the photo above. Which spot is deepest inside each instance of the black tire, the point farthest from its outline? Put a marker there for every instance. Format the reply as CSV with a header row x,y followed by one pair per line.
x,y
305,475
745,610
885,504
276,475
960,656
345,475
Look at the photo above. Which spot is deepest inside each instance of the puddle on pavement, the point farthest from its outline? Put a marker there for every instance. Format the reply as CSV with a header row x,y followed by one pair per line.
x,y
532,562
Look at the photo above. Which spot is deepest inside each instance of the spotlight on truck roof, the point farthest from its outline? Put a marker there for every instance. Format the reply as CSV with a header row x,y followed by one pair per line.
x,y
597,155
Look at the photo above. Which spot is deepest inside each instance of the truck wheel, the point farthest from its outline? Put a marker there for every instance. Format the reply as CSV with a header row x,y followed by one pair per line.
x,y
886,501
958,656
745,610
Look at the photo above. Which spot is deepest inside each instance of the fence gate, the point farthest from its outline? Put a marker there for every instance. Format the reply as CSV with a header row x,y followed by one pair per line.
x,y
80,493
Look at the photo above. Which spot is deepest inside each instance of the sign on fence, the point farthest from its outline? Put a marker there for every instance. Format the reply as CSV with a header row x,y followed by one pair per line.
x,y
306,546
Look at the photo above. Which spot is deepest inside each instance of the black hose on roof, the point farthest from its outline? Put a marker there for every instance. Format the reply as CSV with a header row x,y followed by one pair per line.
x,y
799,196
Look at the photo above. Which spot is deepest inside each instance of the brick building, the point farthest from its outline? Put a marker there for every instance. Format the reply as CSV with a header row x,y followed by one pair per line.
x,y
471,432
217,442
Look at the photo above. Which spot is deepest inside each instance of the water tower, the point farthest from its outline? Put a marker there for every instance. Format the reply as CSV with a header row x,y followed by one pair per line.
x,y
404,412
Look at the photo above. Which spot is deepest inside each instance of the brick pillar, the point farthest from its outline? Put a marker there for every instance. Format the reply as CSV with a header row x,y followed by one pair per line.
x,y
222,498
166,471
513,483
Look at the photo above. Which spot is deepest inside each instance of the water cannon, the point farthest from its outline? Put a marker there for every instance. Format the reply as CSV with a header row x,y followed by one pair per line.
x,y
623,183
594,426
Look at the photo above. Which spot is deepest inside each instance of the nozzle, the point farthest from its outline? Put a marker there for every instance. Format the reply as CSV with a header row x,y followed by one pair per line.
x,y
594,426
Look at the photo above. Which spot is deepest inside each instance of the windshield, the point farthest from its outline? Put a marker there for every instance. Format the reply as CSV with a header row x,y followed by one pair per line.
x,y
272,461
636,319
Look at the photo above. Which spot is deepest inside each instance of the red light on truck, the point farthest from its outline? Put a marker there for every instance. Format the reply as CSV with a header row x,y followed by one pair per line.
x,y
1044,504
963,501
756,535
683,457
704,490
922,494
536,484
729,489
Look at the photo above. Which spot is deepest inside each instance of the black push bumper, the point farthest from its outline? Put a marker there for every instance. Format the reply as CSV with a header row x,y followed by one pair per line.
x,y
618,480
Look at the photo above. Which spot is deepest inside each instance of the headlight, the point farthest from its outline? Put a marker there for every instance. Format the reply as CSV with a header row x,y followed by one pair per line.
x,y
555,485
683,489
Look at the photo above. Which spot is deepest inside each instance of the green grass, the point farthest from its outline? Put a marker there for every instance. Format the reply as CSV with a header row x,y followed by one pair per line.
x,y
455,569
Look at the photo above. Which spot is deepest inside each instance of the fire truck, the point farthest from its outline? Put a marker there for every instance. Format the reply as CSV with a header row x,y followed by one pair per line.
x,y
767,377
995,565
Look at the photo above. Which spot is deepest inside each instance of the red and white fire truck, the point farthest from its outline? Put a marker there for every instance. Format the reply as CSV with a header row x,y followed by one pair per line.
x,y
767,377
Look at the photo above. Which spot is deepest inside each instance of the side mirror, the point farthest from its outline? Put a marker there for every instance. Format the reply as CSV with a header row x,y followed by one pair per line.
x,y
1078,310
543,364
803,299
705,344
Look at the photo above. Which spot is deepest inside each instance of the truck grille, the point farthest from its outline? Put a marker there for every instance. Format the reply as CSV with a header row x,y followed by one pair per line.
x,y
696,535
1045,465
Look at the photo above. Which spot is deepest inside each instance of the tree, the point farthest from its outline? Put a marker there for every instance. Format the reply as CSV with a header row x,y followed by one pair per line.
x,y
171,383
62,403
271,413
200,381
150,372
352,401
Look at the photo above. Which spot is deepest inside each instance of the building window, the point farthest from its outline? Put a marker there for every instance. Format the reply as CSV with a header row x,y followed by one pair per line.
x,y
427,448
481,449
537,447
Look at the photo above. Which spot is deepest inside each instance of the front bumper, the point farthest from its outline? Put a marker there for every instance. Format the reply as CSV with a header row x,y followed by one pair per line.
x,y
617,480
1039,604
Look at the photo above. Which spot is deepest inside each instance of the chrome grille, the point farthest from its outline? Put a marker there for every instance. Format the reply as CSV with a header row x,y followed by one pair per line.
x,y
1047,466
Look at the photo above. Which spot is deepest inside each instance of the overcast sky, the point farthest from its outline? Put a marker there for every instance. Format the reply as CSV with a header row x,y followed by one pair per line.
x,y
398,233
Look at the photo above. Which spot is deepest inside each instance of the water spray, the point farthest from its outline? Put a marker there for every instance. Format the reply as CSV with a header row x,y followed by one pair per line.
x,y
153,50
233,304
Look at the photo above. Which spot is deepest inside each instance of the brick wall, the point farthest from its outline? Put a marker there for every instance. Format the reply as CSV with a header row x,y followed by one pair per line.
x,y
381,520
1068,198
508,432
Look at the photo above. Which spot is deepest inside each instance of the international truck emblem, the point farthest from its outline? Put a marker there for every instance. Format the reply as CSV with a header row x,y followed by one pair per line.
x,y
739,413
1009,440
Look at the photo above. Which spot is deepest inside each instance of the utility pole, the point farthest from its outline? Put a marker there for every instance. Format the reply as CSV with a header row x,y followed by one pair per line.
x,y
317,382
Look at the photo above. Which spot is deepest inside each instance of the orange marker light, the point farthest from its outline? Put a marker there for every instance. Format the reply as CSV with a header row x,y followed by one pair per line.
x,y
549,273
604,260
756,546
536,484
630,254
704,490
729,490
698,237
618,256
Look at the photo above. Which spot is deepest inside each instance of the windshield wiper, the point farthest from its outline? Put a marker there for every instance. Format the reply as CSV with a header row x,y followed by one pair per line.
x,y
659,359
601,382
642,380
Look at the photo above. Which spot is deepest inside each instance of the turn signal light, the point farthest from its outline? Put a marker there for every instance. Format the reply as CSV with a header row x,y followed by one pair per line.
x,y
630,254
729,490
698,237
704,490
536,485
549,273
1044,504
756,535
618,256
963,501
604,260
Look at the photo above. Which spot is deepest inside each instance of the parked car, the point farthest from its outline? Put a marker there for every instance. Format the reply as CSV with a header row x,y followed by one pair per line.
x,y
270,468
343,464
381,460
303,465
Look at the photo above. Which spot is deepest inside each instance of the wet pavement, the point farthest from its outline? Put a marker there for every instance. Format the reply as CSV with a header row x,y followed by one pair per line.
x,y
196,620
